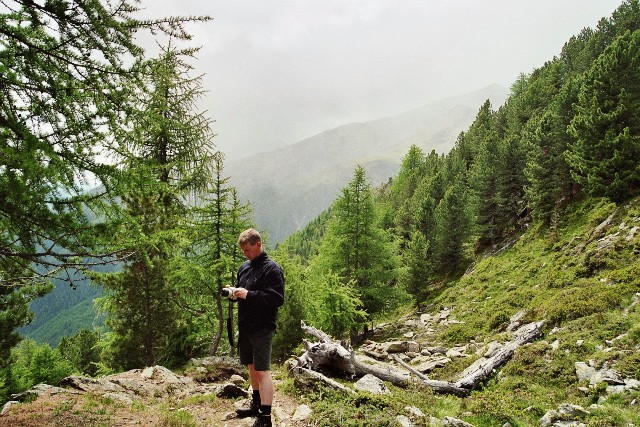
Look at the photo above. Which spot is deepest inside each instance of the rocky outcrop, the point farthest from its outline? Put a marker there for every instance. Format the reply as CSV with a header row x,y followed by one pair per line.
x,y
566,415
155,381
588,373
136,384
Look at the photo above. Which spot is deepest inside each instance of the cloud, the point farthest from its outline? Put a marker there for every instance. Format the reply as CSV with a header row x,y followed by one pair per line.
x,y
280,71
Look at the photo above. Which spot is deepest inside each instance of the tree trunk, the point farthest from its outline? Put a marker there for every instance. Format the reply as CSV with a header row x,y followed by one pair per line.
x,y
522,336
332,355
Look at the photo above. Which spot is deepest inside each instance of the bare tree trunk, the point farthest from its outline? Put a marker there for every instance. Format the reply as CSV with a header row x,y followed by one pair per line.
x,y
333,355
522,336
217,335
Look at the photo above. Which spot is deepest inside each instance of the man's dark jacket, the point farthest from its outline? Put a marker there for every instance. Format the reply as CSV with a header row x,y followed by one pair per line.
x,y
263,279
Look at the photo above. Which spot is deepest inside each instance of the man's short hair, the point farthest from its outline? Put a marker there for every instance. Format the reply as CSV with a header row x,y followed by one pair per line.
x,y
250,236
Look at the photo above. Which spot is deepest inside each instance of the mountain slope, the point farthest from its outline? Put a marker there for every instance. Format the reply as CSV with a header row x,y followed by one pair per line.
x,y
582,279
290,186
63,312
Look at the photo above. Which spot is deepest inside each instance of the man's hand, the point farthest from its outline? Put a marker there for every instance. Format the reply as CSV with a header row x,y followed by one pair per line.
x,y
240,293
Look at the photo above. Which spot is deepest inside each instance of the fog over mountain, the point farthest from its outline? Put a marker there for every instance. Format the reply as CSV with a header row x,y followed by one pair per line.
x,y
290,186
276,72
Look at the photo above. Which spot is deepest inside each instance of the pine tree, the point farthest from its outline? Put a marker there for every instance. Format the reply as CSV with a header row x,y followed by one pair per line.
x,y
550,186
403,188
483,178
430,190
469,143
451,229
418,267
604,155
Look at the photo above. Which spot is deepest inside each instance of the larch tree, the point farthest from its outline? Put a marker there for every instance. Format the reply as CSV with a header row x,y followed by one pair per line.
x,y
357,250
289,334
65,66
211,262
167,158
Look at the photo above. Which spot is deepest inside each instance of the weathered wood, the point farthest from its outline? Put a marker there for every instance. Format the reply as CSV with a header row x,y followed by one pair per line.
x,y
306,376
385,373
332,355
323,337
403,380
522,336
328,353
320,356
410,368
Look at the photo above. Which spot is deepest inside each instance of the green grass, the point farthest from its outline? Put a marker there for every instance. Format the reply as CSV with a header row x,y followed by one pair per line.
x,y
179,418
585,294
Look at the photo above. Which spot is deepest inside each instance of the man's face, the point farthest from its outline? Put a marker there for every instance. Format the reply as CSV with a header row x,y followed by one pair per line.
x,y
251,251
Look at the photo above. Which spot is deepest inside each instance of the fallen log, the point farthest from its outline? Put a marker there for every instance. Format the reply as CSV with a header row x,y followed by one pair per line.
x,y
486,367
329,354
306,377
403,380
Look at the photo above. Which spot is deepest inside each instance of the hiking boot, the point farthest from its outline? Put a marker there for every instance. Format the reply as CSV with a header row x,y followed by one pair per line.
x,y
252,411
262,421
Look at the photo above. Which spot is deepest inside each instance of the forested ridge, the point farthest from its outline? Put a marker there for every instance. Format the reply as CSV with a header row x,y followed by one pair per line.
x,y
545,176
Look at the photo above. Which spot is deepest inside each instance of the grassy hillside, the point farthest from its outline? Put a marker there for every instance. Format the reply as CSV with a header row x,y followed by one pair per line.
x,y
583,279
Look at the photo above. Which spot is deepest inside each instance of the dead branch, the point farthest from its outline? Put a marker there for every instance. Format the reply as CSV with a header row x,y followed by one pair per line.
x,y
523,335
306,376
329,353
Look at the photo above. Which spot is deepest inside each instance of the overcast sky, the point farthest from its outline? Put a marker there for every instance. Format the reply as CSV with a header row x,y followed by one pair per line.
x,y
279,71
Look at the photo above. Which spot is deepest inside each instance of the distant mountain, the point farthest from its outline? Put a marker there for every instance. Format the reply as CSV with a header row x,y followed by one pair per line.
x,y
63,312
290,186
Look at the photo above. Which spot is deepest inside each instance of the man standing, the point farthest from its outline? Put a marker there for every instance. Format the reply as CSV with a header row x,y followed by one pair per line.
x,y
260,291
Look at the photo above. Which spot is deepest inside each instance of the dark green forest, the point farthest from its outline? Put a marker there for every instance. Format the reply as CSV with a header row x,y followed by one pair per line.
x,y
84,108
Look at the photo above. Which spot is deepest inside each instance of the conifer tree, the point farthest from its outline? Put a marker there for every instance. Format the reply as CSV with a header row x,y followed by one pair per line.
x,y
356,249
550,186
289,334
166,158
211,261
403,188
430,190
418,267
65,70
604,155
483,178
451,229
468,143
81,351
